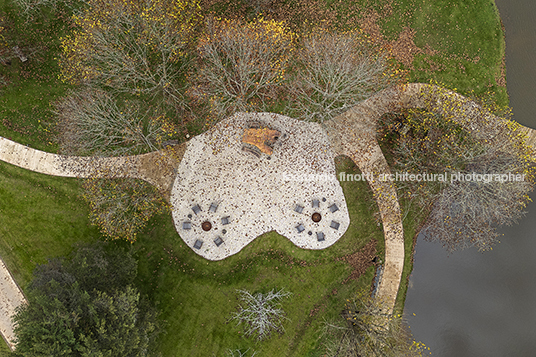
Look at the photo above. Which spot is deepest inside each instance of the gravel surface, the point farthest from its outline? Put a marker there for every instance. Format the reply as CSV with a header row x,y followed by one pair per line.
x,y
258,194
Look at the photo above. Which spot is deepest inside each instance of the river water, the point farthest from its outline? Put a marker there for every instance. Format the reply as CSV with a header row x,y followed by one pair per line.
x,y
484,304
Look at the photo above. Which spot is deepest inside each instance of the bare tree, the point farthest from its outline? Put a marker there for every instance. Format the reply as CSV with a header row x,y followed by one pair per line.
x,y
334,72
261,313
424,142
489,169
501,173
261,6
132,47
490,192
92,123
131,59
31,7
242,64
239,353
368,331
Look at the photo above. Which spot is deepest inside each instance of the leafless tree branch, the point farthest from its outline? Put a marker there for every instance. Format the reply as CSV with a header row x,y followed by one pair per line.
x,y
92,123
261,313
334,72
242,64
368,331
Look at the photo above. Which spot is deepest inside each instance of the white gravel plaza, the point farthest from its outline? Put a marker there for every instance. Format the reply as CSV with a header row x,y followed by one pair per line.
x,y
224,197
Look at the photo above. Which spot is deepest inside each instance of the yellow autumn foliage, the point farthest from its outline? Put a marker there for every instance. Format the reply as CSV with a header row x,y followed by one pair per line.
x,y
131,46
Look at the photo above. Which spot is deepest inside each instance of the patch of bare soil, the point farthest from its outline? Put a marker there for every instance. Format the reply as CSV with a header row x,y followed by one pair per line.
x,y
161,167
360,260
403,49
501,78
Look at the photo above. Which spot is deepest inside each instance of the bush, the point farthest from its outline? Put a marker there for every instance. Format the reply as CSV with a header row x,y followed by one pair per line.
x,y
122,207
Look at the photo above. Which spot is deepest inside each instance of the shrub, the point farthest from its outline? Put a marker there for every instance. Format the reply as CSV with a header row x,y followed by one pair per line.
x,y
261,313
122,207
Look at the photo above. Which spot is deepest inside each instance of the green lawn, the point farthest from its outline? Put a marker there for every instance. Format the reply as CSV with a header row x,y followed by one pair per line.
x,y
40,217
465,39
43,217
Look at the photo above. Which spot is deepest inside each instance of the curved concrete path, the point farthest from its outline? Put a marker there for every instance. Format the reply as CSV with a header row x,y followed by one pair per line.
x,y
158,168
353,134
11,297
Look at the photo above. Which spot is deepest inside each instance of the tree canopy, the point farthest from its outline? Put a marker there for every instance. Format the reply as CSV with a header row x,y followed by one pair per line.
x,y
369,331
488,169
85,306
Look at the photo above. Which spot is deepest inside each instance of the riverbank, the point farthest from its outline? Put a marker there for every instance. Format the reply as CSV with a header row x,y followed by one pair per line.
x,y
471,303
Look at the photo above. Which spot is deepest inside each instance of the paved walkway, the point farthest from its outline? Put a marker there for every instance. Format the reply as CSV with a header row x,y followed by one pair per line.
x,y
157,168
354,134
239,195
11,297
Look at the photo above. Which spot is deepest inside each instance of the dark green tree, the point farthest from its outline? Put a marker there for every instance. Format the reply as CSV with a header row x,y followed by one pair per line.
x,y
85,306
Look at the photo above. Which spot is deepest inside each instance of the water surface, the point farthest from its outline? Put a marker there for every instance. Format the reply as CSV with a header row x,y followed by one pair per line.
x,y
484,304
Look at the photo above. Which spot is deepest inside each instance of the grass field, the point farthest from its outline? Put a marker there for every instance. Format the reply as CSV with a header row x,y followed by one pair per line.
x,y
42,217
459,43
197,297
